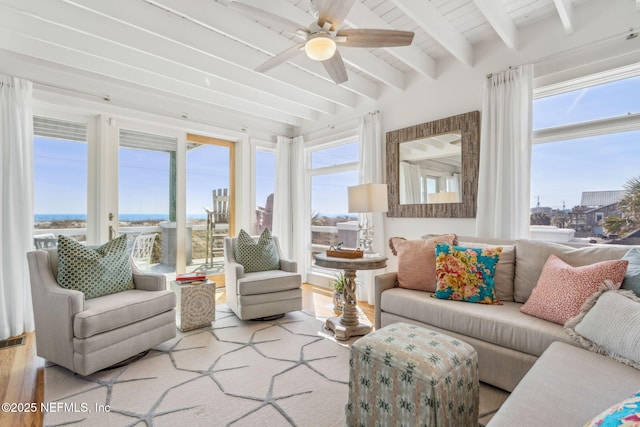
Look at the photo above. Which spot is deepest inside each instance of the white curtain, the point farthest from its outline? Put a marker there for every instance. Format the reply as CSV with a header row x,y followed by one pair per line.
x,y
301,219
372,162
16,215
505,155
453,185
282,195
410,191
290,223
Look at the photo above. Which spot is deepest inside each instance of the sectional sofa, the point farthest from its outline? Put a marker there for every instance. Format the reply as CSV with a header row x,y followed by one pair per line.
x,y
553,380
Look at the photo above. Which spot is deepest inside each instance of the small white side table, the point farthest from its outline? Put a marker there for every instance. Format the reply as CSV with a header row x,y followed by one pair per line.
x,y
195,305
349,324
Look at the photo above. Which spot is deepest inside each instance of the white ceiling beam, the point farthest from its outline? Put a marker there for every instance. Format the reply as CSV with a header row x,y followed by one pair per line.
x,y
238,27
72,83
361,59
497,16
429,18
362,17
565,11
49,48
295,85
134,27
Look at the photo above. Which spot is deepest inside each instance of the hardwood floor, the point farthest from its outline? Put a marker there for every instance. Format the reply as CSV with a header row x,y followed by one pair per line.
x,y
22,371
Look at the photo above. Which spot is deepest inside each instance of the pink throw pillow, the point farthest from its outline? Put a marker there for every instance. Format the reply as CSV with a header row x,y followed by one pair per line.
x,y
417,261
562,289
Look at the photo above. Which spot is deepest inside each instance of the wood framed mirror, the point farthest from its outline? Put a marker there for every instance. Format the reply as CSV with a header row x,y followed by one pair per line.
x,y
432,168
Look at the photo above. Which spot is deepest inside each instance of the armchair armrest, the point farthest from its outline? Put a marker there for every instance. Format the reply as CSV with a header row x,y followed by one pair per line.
x,y
288,265
148,281
54,308
232,272
382,283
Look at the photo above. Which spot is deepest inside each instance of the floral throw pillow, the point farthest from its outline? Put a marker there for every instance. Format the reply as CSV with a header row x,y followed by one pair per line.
x,y
466,274
625,413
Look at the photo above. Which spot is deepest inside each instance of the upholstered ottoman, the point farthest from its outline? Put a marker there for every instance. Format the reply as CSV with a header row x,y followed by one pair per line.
x,y
404,374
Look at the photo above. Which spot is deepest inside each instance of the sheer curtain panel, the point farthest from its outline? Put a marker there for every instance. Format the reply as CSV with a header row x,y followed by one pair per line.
x,y
290,223
16,215
372,162
505,155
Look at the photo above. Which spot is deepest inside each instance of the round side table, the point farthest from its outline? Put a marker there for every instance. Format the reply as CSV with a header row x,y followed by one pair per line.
x,y
349,324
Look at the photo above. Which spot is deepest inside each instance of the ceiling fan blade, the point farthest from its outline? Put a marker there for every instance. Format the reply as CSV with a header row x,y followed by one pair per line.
x,y
336,69
333,11
280,58
262,15
358,37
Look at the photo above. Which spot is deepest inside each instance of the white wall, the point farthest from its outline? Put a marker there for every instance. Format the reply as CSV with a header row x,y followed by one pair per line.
x,y
598,43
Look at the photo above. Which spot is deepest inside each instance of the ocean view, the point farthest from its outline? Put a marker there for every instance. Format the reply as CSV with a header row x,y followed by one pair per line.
x,y
122,217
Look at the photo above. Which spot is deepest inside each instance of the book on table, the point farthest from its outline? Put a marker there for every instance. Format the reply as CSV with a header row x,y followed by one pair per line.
x,y
191,278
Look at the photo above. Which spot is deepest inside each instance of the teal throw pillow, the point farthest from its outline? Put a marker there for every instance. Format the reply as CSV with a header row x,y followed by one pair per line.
x,y
466,274
632,278
94,271
625,413
257,256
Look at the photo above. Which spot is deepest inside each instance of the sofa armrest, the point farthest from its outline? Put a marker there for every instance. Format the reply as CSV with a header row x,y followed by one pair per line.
x,y
382,283
288,265
148,281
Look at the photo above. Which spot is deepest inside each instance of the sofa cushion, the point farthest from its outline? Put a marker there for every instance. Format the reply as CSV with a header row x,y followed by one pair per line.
x,y
505,269
257,256
466,274
94,271
567,386
531,256
562,288
417,261
117,310
503,325
269,281
609,325
625,413
632,278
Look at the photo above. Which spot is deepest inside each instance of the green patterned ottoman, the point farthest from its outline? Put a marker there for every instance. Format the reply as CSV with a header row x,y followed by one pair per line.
x,y
405,375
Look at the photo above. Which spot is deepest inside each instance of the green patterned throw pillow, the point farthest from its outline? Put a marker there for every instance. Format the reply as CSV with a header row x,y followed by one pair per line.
x,y
94,272
257,256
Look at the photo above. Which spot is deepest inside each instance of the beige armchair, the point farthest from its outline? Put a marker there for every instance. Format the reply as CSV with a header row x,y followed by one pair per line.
x,y
86,336
262,293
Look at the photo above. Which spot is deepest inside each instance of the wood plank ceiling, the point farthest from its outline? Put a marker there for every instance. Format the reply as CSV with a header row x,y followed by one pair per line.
x,y
196,58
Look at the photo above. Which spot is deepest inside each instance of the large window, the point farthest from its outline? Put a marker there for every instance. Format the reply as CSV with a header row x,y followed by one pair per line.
x,y
60,179
586,148
265,188
334,167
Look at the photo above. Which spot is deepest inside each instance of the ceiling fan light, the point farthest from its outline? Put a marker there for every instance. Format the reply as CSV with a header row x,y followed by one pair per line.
x,y
320,48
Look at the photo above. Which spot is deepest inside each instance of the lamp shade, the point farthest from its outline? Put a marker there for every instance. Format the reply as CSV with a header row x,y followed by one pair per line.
x,y
365,198
443,197
320,48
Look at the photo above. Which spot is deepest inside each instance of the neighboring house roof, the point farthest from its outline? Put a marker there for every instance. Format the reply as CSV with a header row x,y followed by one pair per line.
x,y
599,208
601,198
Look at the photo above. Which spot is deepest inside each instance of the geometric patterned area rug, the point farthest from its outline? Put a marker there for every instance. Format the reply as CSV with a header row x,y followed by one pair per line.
x,y
240,373
284,372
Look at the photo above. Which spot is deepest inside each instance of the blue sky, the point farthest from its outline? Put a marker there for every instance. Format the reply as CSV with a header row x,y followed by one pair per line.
x,y
561,171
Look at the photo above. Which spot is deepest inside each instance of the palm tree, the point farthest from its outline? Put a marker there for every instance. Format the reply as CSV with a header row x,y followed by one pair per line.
x,y
629,206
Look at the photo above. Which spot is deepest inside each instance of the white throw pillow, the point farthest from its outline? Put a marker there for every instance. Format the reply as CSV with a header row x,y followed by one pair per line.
x,y
610,326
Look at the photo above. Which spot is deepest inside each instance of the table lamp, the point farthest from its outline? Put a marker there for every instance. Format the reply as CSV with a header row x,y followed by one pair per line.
x,y
366,199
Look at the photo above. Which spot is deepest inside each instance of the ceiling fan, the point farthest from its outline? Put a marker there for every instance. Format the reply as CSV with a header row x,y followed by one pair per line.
x,y
321,39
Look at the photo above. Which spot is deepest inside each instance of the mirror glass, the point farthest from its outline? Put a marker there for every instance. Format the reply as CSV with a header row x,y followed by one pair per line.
x,y
431,169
